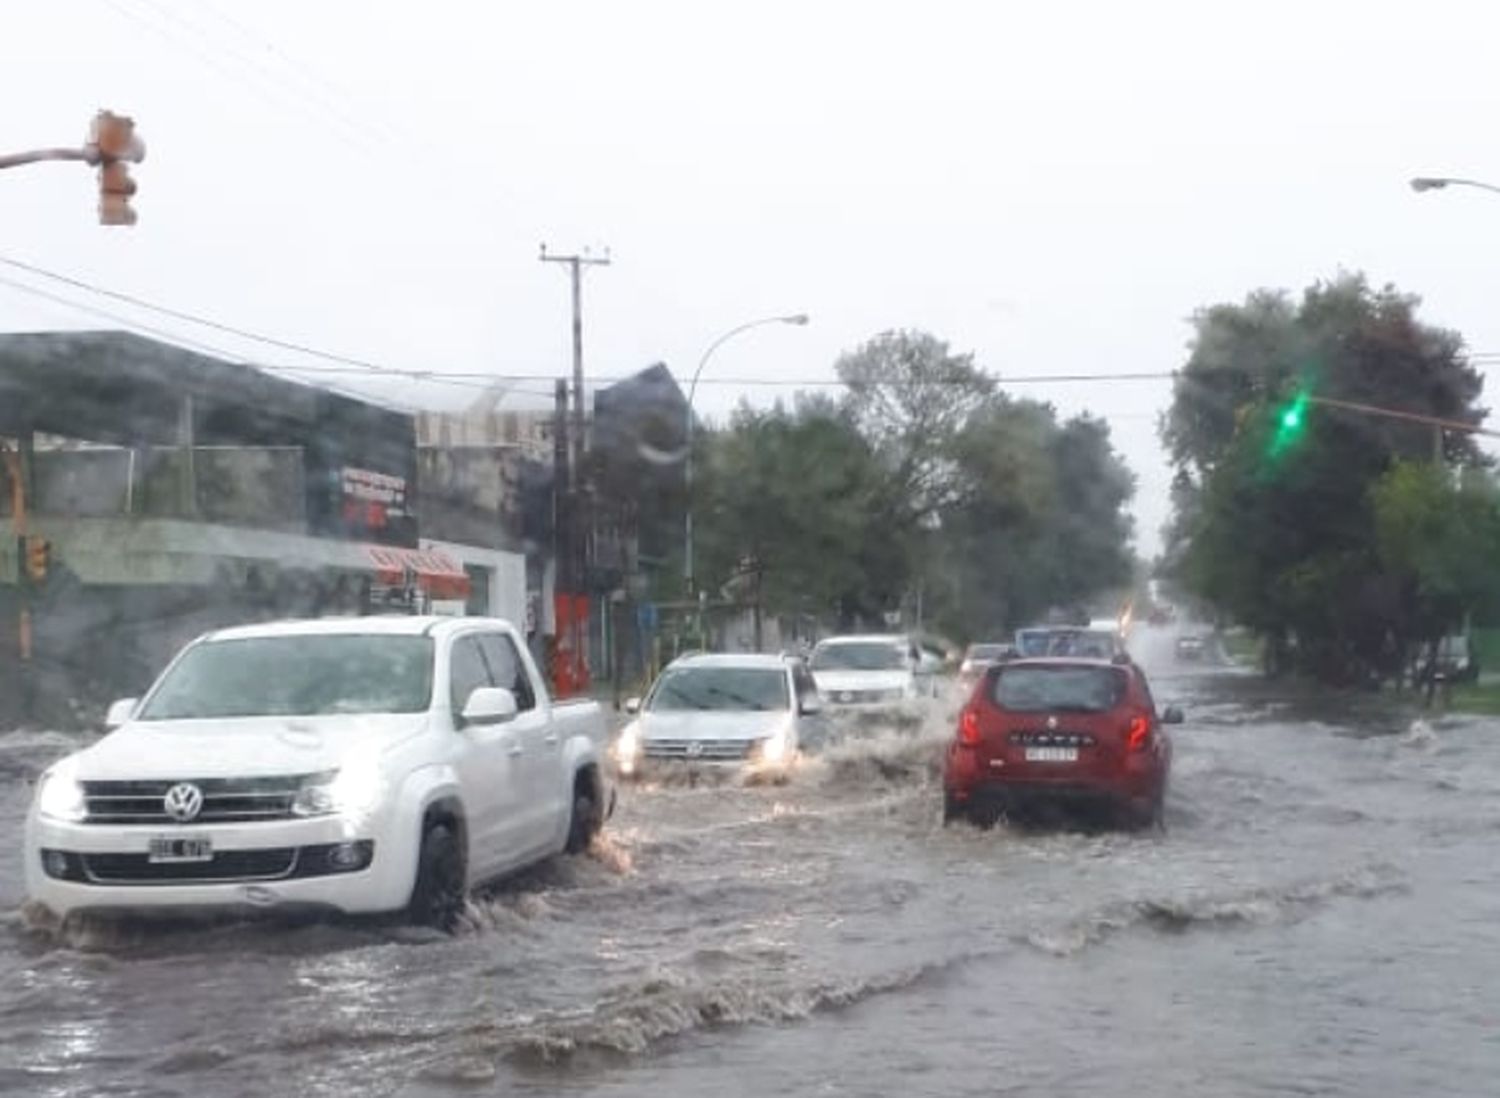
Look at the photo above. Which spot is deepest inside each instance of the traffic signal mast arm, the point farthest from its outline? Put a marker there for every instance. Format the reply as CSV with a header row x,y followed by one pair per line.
x,y
35,156
111,147
1396,413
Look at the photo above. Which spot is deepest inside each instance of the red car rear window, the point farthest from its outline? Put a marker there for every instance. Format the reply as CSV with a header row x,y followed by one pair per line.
x,y
1059,689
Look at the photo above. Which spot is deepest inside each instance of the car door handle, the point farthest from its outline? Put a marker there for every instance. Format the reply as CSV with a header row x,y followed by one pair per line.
x,y
550,739
515,749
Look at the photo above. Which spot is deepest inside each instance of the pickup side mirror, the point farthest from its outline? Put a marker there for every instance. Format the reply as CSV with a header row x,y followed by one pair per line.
x,y
632,706
1172,715
120,712
489,705
810,706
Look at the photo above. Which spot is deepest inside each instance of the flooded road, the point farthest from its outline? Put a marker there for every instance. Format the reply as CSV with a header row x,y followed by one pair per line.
x,y
1321,917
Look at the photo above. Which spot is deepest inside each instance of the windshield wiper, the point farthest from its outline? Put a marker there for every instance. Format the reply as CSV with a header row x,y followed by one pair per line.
x,y
740,699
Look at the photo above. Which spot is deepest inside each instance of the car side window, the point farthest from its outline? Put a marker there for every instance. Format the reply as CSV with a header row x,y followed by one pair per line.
x,y
507,670
466,672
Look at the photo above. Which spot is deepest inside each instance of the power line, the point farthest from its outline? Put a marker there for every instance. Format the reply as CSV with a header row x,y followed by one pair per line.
x,y
193,318
445,377
474,382
172,337
186,36
310,78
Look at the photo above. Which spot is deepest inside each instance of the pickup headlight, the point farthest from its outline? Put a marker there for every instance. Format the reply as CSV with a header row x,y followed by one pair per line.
x,y
352,790
775,748
628,748
61,797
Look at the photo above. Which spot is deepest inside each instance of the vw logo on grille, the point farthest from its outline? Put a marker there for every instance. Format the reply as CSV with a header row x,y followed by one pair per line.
x,y
183,802
694,749
1051,722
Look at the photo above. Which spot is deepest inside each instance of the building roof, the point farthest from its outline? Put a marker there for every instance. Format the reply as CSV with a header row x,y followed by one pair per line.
x,y
122,388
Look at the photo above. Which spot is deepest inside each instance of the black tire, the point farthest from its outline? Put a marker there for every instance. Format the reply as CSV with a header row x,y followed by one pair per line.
x,y
953,811
587,819
438,896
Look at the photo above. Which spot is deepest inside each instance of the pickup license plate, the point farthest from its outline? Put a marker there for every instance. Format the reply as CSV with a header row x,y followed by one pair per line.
x,y
168,850
1052,754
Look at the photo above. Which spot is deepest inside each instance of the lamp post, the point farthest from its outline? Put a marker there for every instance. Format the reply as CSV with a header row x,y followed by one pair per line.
x,y
798,319
1421,184
1437,183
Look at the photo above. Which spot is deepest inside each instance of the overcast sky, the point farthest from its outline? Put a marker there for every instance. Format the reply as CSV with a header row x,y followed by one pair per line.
x,y
1054,187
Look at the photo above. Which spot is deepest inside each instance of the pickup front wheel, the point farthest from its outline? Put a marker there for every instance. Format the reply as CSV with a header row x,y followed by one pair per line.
x,y
588,813
437,898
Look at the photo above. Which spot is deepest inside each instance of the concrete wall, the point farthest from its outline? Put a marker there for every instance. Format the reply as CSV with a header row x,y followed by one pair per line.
x,y
473,496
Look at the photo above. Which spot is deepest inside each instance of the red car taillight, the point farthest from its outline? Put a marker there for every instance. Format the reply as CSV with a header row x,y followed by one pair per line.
x,y
1138,733
968,728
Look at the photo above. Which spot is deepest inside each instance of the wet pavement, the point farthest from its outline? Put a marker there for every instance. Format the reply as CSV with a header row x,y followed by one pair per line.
x,y
1322,916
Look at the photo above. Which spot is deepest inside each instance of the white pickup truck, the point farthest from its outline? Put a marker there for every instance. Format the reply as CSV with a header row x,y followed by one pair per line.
x,y
359,765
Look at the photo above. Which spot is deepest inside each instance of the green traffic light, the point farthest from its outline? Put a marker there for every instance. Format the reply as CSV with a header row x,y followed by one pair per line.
x,y
1290,425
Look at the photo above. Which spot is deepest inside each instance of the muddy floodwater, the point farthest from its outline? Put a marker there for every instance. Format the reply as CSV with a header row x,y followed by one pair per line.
x,y
1321,917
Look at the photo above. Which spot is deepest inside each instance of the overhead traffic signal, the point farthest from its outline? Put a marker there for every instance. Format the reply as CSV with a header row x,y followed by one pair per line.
x,y
114,145
1291,423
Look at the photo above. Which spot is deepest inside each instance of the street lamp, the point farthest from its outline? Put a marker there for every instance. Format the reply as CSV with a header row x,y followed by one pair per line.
x,y
1437,183
798,319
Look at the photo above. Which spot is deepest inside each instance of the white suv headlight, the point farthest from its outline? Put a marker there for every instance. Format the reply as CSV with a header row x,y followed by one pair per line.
x,y
61,797
351,790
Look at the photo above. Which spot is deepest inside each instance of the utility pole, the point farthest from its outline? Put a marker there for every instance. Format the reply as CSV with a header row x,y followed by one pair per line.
x,y
575,264
572,560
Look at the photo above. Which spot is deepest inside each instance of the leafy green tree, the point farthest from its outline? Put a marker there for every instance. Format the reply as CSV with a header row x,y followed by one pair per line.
x,y
1281,533
1440,536
792,504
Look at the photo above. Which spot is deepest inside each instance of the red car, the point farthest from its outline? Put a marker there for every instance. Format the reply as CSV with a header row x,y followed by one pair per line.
x,y
1060,732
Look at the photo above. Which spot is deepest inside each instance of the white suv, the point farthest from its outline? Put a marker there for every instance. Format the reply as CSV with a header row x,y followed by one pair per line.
x,y
359,765
877,673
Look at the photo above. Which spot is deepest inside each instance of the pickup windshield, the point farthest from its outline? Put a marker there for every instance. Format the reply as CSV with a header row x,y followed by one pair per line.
x,y
859,656
296,677
732,688
1059,689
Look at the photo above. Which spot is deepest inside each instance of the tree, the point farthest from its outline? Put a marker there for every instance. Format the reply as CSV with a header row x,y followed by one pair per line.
x,y
1275,523
925,477
910,396
1439,536
792,505
1037,519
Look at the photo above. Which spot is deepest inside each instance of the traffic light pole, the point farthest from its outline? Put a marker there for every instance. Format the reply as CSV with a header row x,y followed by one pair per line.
x,y
37,156
112,146
1410,417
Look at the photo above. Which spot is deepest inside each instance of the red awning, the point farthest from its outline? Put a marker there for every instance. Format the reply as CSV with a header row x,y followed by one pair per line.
x,y
433,570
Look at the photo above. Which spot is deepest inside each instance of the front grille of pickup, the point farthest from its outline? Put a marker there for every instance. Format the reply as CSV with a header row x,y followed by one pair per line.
x,y
702,750
225,800
227,865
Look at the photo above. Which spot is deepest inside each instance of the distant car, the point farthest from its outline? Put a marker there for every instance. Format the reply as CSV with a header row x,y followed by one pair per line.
x,y
751,712
876,672
1070,640
1190,647
1074,732
978,659
1456,660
